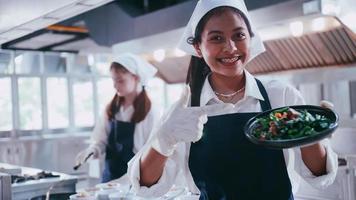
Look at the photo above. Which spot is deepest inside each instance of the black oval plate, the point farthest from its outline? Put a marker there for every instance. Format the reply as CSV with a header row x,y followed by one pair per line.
x,y
289,143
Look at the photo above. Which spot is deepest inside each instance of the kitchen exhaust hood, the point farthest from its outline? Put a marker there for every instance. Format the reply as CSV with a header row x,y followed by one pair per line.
x,y
318,34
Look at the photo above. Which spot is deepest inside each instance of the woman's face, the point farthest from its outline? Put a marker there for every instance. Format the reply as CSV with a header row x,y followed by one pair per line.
x,y
124,82
225,43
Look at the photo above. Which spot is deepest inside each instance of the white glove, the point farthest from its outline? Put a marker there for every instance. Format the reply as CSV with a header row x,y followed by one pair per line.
x,y
326,104
88,153
184,124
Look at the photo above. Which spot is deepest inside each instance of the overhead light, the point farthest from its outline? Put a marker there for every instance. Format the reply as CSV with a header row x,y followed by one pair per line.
x,y
349,20
274,32
18,60
179,53
63,54
299,28
91,60
330,7
159,55
310,7
319,24
296,28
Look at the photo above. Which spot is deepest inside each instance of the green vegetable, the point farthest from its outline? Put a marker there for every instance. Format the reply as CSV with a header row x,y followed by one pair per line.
x,y
287,123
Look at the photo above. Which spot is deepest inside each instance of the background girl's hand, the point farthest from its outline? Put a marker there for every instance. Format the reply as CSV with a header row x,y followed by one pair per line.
x,y
86,154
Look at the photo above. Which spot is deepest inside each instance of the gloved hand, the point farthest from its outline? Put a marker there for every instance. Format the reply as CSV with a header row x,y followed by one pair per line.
x,y
184,124
326,104
88,153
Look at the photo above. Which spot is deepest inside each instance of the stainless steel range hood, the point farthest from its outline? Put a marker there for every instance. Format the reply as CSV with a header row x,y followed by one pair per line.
x,y
334,47
315,33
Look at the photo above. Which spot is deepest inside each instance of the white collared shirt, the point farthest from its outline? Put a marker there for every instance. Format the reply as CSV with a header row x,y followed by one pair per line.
x,y
101,131
177,171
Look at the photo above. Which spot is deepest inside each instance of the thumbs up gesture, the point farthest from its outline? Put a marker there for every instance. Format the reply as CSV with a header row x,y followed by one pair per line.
x,y
184,124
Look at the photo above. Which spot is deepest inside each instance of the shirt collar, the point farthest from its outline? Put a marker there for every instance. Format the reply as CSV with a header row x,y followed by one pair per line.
x,y
251,87
251,90
126,111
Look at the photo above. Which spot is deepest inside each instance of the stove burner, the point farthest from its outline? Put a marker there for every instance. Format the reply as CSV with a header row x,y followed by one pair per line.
x,y
23,178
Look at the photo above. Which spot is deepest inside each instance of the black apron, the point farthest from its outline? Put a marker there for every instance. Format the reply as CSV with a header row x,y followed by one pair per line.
x,y
226,166
118,150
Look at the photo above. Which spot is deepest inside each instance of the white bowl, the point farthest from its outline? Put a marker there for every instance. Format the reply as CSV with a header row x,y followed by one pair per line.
x,y
106,186
104,194
123,196
91,190
82,196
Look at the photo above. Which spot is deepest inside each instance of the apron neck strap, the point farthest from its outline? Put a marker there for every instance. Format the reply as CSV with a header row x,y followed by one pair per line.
x,y
265,105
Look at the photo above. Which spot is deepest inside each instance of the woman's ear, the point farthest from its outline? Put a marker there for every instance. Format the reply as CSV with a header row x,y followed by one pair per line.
x,y
136,78
197,49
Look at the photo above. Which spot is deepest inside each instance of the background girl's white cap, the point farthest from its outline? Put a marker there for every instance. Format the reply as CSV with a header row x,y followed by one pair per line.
x,y
136,65
204,6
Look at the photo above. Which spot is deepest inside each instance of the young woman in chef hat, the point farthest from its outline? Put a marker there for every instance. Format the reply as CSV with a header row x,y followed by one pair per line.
x,y
220,163
128,119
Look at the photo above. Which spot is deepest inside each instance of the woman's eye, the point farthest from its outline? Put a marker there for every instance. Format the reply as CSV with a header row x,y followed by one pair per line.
x,y
216,38
240,36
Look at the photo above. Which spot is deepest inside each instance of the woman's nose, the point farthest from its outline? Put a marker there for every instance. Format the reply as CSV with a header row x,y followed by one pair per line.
x,y
230,46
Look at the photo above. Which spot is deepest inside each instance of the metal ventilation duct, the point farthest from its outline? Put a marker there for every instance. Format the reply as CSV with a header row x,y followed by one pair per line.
x,y
112,24
320,49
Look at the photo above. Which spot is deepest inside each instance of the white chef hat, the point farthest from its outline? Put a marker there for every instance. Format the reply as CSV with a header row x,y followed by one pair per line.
x,y
136,65
204,6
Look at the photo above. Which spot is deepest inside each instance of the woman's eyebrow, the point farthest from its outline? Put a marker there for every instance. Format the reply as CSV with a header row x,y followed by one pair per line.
x,y
240,28
214,31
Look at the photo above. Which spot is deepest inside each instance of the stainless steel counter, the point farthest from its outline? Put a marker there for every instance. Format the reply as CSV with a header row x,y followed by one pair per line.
x,y
5,186
58,186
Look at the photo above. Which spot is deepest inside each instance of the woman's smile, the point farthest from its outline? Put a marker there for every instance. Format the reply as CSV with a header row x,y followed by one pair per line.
x,y
229,61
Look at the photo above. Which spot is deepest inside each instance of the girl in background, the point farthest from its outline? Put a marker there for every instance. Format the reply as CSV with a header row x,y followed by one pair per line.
x,y
128,119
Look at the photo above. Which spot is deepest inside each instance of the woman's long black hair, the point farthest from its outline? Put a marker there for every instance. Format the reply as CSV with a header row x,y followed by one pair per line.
x,y
198,69
141,104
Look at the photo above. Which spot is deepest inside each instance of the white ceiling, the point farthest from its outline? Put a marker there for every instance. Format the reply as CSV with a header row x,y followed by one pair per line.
x,y
21,17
